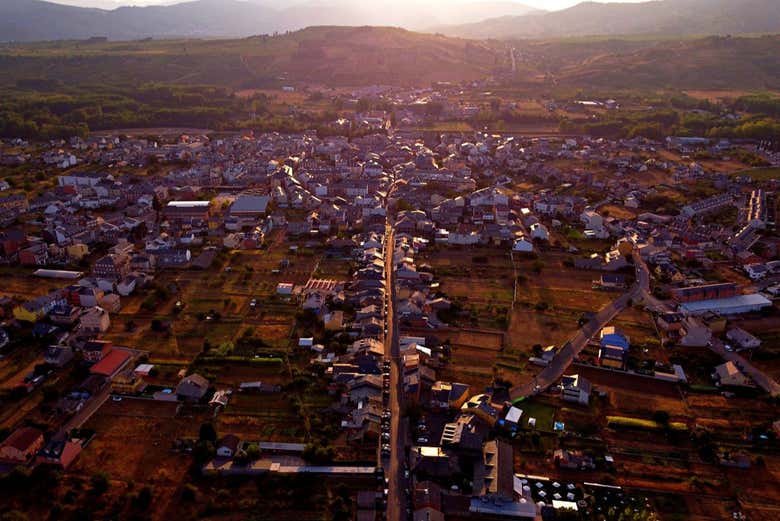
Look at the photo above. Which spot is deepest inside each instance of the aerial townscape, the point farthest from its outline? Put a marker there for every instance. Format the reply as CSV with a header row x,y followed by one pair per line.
x,y
497,269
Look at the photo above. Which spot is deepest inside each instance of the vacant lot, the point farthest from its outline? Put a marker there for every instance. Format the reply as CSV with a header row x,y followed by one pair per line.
x,y
133,440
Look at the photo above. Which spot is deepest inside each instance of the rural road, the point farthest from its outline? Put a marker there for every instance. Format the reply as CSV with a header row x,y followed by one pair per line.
x,y
766,382
564,358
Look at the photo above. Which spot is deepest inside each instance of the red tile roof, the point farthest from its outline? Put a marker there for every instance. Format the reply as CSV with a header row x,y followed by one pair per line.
x,y
110,363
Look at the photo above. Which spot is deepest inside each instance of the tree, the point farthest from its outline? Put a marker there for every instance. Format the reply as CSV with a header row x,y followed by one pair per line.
x,y
207,432
144,498
189,493
14,515
661,417
252,452
99,482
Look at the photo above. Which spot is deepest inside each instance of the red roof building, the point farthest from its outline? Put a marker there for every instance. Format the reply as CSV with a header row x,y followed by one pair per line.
x,y
111,364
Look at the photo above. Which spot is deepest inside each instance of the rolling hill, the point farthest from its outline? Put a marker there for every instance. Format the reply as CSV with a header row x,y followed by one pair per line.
x,y
659,17
332,55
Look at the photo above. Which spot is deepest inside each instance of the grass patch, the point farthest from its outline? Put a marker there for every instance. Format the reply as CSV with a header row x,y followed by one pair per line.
x,y
638,423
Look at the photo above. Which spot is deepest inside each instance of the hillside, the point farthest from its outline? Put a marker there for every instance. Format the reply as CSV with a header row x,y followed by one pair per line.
x,y
609,64
35,20
333,55
660,17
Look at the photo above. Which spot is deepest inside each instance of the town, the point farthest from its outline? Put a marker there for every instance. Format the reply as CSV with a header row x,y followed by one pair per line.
x,y
395,323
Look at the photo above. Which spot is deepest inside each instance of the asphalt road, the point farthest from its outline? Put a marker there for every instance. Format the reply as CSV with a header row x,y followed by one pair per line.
x,y
566,355
766,382
396,499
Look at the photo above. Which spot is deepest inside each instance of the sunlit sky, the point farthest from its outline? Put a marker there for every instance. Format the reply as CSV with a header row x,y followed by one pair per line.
x,y
550,5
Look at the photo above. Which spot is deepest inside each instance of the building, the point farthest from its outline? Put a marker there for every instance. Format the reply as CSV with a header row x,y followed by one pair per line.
x,y
575,388
21,446
228,446
614,348
493,475
742,339
705,292
449,395
728,306
95,321
111,364
192,388
574,460
112,266
250,206
16,202
187,211
729,375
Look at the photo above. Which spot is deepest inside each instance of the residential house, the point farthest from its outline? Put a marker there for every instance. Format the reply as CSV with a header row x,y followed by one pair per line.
x,y
21,446
95,320
227,446
575,388
729,375
192,388
742,339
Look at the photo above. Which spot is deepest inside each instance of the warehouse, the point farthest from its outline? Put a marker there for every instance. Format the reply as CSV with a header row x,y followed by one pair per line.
x,y
728,306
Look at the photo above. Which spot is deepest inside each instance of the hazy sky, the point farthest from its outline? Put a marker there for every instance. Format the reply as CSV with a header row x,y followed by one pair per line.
x,y
550,5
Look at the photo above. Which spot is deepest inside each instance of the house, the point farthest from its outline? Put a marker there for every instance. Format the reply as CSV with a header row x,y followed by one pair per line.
x,y
227,446
95,350
614,348
21,446
39,307
729,375
465,434
334,321
612,281
95,321
449,395
112,266
573,459
575,388
742,339
58,453
539,232
58,356
523,245
427,502
192,388
111,364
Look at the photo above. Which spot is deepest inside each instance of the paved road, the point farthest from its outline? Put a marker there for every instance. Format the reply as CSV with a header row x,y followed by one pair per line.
x,y
566,355
396,499
564,358
766,382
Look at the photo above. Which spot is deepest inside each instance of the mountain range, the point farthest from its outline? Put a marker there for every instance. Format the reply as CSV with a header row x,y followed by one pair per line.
x,y
657,18
32,20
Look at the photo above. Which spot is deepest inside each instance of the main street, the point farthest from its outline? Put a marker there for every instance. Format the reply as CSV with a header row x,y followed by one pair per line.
x,y
397,498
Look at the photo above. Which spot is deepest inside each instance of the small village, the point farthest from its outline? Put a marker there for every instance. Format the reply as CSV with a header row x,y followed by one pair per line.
x,y
511,327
